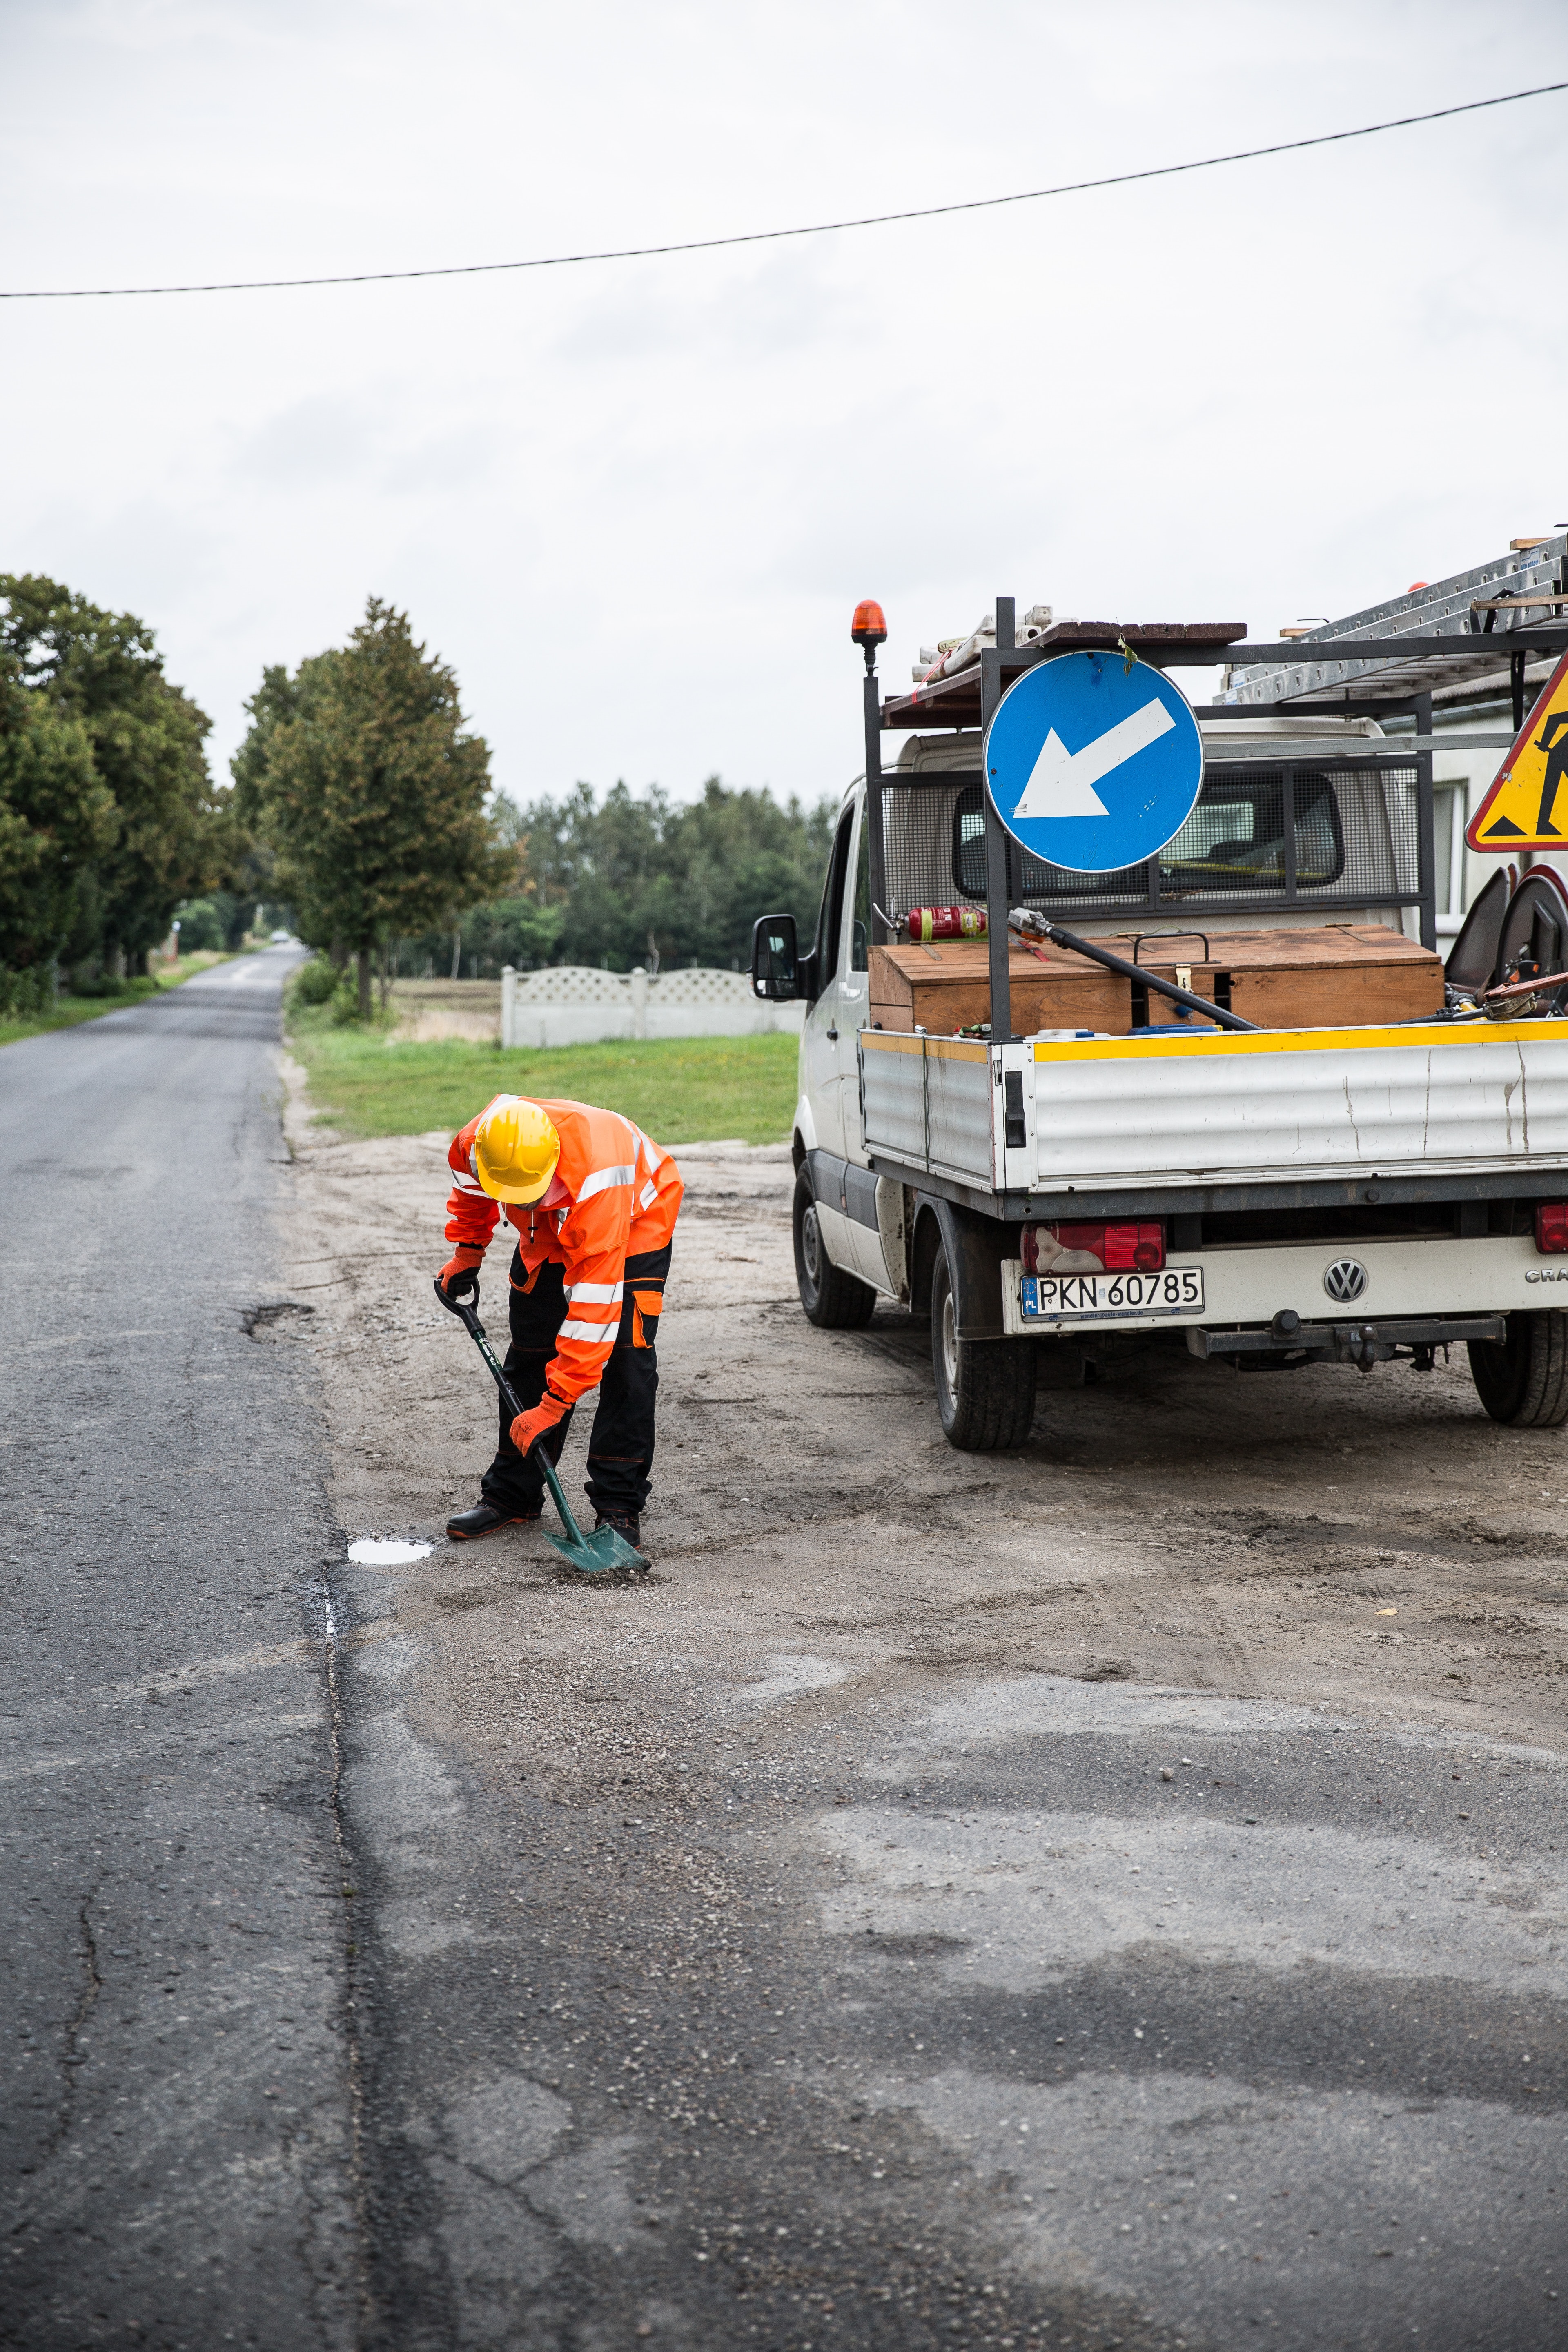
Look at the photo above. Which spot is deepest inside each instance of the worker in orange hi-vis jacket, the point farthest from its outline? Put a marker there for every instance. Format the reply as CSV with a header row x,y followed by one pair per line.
x,y
593,1203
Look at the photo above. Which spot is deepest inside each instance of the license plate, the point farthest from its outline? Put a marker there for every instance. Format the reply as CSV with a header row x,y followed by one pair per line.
x,y
1071,1298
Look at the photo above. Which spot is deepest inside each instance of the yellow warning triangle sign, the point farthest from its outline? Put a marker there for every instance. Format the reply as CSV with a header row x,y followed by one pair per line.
x,y
1527,806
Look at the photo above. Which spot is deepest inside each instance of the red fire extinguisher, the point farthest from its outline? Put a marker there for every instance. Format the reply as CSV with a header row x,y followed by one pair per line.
x,y
927,923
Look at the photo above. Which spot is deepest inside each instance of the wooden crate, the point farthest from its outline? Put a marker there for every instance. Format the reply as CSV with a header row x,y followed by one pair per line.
x,y
947,987
1350,975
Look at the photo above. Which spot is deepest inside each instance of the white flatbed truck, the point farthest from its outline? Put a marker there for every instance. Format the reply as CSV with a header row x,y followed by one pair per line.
x,y
1275,1197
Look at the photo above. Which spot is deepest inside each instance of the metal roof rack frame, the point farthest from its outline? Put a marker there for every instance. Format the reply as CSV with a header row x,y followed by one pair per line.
x,y
1348,669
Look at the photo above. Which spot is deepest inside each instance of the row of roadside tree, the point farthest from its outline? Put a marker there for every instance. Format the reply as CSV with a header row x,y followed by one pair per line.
x,y
361,802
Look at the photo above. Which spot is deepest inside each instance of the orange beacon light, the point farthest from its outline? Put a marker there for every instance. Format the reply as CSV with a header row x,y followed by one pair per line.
x,y
868,628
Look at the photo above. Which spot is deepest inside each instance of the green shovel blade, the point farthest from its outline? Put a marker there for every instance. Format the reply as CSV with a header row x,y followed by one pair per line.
x,y
592,1555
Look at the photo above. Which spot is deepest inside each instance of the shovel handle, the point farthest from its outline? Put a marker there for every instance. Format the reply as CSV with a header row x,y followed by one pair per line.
x,y
468,1316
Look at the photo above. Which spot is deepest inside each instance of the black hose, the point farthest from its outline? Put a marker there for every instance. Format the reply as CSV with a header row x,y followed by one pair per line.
x,y
1040,928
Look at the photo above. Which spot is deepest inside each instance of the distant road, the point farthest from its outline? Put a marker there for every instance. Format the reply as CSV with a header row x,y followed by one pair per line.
x,y
173,2100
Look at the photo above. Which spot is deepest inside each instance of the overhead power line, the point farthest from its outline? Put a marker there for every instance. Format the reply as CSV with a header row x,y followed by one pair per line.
x,y
775,236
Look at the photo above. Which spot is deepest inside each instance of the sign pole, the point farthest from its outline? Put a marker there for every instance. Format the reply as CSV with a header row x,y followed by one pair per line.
x,y
997,938
1426,841
873,712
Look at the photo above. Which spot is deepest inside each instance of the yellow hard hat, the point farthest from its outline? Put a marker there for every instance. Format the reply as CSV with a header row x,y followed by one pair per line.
x,y
515,1152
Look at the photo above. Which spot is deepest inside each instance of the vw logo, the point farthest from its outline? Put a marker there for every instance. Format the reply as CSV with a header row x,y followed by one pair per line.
x,y
1345,1279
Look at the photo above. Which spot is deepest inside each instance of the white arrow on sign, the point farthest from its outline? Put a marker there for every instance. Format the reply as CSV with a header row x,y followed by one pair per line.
x,y
1062,783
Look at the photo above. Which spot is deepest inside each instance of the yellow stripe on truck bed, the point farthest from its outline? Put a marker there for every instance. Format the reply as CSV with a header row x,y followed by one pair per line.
x,y
1225,1041
936,1049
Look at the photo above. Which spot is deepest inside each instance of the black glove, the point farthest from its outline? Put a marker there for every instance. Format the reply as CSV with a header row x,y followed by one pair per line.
x,y
460,1282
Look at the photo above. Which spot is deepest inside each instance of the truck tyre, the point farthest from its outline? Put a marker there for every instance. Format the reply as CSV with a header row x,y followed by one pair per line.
x,y
985,1388
1524,1381
833,1301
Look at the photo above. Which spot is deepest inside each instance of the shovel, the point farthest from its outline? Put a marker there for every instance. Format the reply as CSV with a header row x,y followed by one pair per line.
x,y
591,1554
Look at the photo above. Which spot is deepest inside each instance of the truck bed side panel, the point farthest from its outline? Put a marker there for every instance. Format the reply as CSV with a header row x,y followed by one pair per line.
x,y
959,1086
1300,1103
928,1102
893,1080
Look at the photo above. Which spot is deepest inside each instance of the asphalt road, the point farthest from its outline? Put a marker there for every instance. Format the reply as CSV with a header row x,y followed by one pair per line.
x,y
955,1902
1110,1894
176,2100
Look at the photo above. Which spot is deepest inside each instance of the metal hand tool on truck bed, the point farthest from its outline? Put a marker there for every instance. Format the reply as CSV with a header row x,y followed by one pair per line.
x,y
1026,925
590,1555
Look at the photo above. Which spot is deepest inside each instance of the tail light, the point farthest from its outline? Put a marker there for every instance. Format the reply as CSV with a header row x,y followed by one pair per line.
x,y
1551,1229
1118,1249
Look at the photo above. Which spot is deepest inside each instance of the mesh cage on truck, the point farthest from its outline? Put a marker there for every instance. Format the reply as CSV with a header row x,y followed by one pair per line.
x,y
1300,834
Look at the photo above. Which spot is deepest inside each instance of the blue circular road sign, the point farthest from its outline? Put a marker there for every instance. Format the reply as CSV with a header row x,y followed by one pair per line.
x,y
1092,765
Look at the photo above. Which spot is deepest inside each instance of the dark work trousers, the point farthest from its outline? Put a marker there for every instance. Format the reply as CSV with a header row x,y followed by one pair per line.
x,y
620,1449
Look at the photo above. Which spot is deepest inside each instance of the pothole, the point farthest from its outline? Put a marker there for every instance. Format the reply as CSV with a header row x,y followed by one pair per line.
x,y
278,1315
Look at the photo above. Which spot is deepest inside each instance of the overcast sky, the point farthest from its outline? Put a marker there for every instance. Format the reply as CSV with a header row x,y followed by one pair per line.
x,y
635,503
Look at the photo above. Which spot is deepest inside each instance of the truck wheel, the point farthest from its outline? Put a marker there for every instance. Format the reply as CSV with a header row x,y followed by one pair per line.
x,y
1524,1381
985,1388
833,1301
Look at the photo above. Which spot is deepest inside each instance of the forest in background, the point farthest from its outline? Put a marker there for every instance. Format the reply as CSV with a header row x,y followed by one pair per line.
x,y
637,878
362,814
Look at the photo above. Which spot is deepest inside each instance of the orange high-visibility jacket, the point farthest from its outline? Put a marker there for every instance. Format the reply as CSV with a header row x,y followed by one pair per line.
x,y
625,1194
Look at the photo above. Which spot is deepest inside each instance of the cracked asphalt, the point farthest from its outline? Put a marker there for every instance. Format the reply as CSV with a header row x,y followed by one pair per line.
x,y
1108,1896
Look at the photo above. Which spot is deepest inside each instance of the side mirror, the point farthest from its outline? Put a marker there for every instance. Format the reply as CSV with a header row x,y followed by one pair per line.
x,y
776,961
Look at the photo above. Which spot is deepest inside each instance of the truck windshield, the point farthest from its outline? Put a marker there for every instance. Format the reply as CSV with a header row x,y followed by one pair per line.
x,y
1233,844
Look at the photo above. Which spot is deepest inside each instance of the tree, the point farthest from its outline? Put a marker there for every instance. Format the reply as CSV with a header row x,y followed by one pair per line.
x,y
360,774
56,815
99,678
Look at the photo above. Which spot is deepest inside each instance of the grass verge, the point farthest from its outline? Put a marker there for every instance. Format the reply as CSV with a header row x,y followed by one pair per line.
x,y
67,1010
696,1090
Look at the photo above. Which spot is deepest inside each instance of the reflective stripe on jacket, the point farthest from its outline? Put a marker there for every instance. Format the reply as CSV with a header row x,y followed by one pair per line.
x,y
624,1195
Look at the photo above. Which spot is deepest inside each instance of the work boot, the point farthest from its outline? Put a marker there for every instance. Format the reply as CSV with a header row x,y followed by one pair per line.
x,y
484,1519
625,1523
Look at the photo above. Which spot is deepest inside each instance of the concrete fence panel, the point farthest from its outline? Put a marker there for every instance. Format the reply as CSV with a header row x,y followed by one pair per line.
x,y
572,1004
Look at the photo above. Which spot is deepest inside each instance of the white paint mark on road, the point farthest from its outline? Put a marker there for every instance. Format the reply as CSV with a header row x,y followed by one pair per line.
x,y
109,1758
1050,1705
384,1551
1034,1895
173,1682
